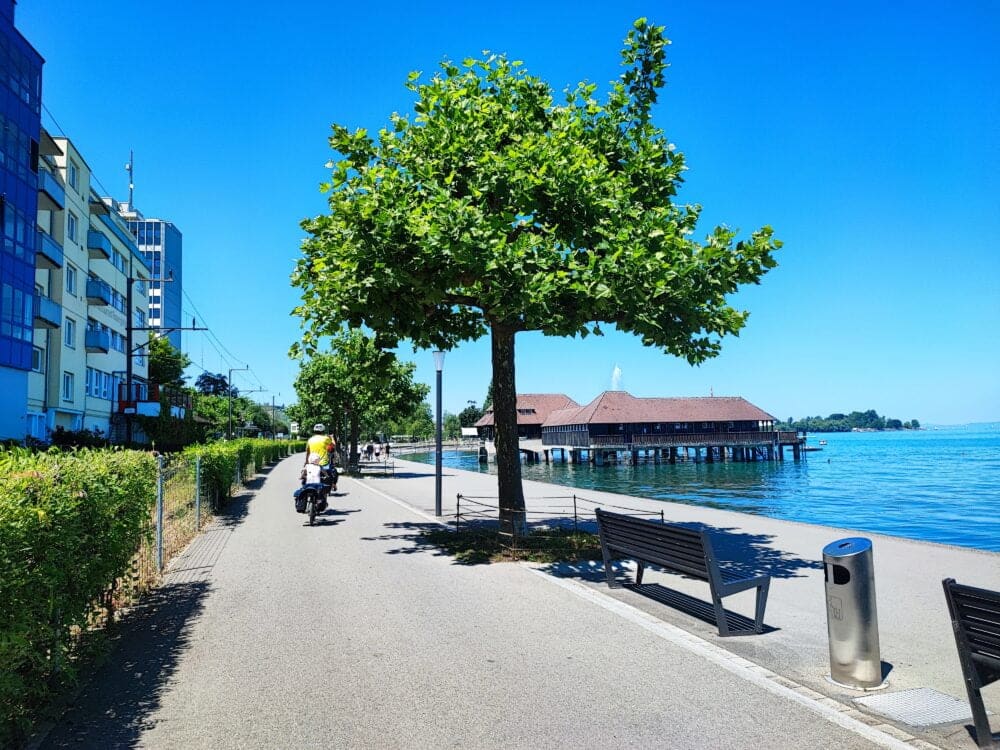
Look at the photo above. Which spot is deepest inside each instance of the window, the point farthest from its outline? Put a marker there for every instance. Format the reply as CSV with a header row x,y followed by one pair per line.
x,y
74,175
71,222
37,359
70,280
67,386
69,333
140,319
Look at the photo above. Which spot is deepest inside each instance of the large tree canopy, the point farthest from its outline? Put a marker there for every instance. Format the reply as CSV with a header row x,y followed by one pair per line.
x,y
497,210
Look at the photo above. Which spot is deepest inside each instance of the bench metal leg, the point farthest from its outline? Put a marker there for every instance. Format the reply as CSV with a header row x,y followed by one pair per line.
x,y
720,614
758,624
984,736
608,571
639,571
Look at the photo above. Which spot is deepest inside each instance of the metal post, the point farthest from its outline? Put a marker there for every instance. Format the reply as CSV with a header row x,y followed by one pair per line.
x,y
439,361
437,455
197,494
159,513
576,530
458,511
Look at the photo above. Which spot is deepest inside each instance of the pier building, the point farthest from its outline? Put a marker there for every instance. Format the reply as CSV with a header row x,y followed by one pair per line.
x,y
532,411
617,426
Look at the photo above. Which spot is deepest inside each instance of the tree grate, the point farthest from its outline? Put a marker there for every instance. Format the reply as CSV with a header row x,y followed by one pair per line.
x,y
919,707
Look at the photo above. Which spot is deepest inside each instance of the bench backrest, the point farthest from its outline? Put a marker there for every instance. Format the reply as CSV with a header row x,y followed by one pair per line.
x,y
975,613
676,547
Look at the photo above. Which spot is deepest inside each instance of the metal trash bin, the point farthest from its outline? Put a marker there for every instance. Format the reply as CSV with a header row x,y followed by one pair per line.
x,y
852,621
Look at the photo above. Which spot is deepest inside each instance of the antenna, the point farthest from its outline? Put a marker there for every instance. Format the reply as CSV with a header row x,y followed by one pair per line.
x,y
130,168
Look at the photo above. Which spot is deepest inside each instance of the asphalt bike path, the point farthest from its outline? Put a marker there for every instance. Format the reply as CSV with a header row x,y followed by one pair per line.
x,y
354,633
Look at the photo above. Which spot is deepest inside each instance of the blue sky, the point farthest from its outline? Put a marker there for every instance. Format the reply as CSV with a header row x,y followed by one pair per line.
x,y
865,135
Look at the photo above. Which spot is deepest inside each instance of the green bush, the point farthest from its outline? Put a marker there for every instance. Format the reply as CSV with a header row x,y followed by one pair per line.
x,y
219,460
69,526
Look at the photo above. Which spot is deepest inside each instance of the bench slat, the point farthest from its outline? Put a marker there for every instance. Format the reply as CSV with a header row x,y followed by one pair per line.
x,y
656,550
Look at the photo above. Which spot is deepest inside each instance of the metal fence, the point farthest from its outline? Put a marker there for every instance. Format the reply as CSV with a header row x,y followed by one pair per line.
x,y
184,504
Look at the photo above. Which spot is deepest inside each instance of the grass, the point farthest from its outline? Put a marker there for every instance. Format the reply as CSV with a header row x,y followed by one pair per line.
x,y
480,546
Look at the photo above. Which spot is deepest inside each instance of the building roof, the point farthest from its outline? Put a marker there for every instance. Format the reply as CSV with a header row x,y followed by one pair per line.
x,y
533,408
619,407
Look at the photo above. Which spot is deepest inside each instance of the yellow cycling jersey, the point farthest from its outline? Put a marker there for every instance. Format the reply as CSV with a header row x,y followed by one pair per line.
x,y
316,448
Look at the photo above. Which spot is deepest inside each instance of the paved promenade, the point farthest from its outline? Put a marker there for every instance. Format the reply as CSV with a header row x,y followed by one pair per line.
x,y
354,633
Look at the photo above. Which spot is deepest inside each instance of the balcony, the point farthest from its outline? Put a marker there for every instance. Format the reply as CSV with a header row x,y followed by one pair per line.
x,y
49,252
51,193
97,342
47,312
98,292
98,246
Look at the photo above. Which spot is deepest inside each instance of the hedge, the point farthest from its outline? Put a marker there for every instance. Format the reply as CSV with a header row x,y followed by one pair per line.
x,y
70,525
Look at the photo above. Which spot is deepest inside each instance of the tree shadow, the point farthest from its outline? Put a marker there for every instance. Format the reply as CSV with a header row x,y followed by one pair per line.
x,y
416,538
329,517
743,553
115,706
234,510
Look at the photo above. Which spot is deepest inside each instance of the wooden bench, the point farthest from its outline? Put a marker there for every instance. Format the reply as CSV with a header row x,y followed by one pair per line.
x,y
975,618
677,549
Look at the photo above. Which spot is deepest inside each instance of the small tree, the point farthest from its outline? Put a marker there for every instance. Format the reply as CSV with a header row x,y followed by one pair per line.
x,y
166,363
214,384
496,210
356,379
470,415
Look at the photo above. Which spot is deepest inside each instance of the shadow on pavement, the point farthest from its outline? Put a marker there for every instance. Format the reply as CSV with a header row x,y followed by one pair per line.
x,y
741,552
697,608
114,708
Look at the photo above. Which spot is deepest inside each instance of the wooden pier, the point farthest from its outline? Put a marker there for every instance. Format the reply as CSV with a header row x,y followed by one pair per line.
x,y
697,448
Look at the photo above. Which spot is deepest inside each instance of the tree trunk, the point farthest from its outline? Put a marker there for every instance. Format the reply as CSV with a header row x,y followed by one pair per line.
x,y
513,518
352,459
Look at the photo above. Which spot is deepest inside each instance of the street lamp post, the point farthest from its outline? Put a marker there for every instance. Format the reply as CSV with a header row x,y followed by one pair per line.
x,y
439,366
229,389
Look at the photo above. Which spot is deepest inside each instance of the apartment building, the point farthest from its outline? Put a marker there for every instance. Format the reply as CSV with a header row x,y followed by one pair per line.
x,y
161,243
20,127
80,357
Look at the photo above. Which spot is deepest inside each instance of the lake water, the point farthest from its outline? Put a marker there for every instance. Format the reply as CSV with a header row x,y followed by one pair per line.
x,y
938,485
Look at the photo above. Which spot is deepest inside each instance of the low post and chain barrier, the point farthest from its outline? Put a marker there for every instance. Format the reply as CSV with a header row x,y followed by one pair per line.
x,y
575,509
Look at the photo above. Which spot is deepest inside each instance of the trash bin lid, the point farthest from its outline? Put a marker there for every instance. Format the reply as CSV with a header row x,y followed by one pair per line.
x,y
854,545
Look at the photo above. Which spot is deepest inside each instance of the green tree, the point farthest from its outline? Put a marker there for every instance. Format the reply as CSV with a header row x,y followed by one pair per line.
x,y
470,415
214,384
166,363
496,210
451,427
418,422
356,385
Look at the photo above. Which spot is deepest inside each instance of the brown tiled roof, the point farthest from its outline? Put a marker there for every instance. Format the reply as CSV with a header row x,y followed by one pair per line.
x,y
619,407
542,405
